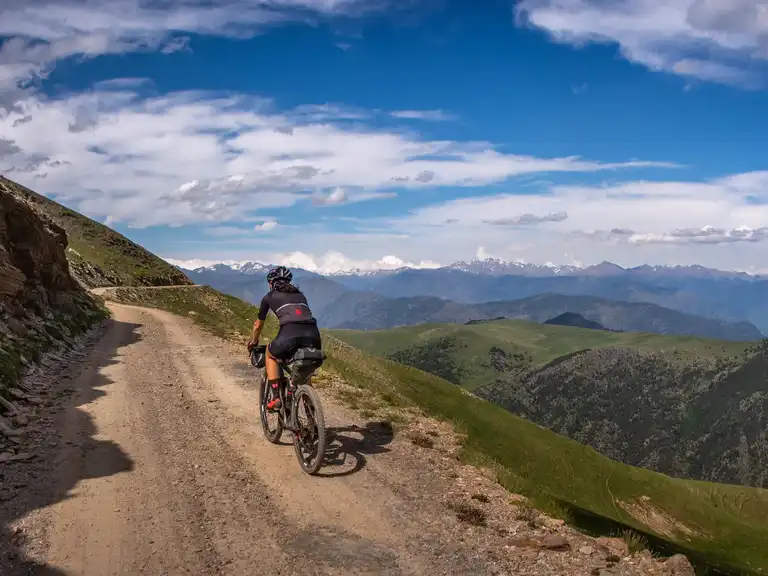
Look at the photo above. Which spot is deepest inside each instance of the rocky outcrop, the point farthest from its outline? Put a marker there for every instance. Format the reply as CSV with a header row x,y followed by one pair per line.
x,y
41,305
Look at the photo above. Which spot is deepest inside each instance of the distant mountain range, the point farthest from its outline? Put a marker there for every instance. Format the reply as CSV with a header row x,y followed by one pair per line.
x,y
499,267
417,296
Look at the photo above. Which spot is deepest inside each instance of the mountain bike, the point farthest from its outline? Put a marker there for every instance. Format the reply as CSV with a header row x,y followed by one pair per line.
x,y
309,434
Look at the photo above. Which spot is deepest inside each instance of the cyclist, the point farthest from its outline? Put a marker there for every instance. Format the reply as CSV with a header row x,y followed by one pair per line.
x,y
298,328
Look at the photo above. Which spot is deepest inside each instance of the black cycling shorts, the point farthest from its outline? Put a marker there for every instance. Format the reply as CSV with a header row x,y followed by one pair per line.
x,y
293,336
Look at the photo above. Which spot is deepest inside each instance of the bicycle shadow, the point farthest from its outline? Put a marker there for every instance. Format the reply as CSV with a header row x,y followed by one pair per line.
x,y
351,444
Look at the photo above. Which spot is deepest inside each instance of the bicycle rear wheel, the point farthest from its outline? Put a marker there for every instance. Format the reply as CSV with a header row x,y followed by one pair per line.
x,y
309,420
272,431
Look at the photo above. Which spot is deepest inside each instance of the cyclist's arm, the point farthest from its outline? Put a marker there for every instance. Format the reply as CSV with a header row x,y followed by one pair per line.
x,y
258,325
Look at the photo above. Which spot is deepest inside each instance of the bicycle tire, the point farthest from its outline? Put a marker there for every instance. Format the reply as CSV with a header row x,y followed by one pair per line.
x,y
272,436
307,391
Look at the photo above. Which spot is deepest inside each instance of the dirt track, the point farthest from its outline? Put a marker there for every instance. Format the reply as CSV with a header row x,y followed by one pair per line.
x,y
163,469
146,456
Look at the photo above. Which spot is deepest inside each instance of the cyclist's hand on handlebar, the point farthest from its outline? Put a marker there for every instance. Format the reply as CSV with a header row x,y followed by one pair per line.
x,y
251,345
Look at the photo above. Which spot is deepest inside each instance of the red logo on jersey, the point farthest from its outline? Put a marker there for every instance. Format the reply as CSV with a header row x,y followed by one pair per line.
x,y
298,311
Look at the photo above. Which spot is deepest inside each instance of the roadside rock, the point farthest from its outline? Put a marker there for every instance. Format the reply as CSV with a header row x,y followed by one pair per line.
x,y
615,546
678,565
555,542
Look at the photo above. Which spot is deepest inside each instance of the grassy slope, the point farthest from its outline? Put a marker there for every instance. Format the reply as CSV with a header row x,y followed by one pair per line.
x,y
542,342
121,262
728,522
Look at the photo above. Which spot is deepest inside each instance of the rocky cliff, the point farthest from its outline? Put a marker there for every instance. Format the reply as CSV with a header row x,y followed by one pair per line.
x,y
41,305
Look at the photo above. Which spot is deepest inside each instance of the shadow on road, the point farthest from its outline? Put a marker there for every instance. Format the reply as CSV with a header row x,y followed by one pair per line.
x,y
351,444
60,463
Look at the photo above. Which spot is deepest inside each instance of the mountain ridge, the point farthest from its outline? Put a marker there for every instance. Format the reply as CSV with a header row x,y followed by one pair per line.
x,y
337,306
500,267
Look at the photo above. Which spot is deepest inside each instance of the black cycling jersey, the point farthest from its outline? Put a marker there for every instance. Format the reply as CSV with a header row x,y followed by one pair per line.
x,y
289,307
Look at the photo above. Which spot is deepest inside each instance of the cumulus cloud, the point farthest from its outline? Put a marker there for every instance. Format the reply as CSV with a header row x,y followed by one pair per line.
x,y
337,196
8,148
193,157
713,40
529,219
632,223
333,261
41,33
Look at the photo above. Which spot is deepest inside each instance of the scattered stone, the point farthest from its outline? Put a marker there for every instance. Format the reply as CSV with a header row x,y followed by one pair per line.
x,y
555,542
586,550
6,457
678,565
21,456
9,432
21,420
16,393
553,522
615,546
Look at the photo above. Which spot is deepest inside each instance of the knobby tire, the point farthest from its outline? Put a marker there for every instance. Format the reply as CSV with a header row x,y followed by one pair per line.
x,y
309,394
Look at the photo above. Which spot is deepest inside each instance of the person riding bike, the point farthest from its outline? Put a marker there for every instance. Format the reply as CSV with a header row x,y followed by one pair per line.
x,y
298,328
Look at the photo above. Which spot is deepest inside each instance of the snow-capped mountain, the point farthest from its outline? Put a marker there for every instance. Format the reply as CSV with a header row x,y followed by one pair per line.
x,y
499,267
369,273
243,267
493,267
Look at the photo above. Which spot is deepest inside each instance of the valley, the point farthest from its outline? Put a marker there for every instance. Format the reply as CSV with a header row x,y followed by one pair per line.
x,y
684,406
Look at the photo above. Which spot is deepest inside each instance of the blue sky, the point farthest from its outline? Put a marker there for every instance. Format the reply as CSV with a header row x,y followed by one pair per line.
x,y
342,133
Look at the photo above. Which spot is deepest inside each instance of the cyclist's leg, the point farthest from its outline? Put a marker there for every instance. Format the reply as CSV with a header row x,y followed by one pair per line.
x,y
274,373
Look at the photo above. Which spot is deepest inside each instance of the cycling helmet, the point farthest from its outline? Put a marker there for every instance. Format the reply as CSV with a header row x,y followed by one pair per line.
x,y
279,273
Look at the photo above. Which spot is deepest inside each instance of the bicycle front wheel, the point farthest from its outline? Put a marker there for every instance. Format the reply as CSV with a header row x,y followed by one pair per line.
x,y
309,420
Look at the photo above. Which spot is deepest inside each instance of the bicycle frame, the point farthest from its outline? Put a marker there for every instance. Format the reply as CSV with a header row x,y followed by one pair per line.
x,y
286,408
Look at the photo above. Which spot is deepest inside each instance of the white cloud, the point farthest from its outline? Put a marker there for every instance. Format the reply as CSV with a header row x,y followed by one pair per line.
x,y
713,40
431,115
337,196
266,226
193,157
482,253
46,31
528,219
333,261
631,223
704,235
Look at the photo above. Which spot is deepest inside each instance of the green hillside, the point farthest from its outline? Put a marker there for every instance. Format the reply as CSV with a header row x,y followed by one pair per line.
x,y
716,525
98,255
684,406
460,352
